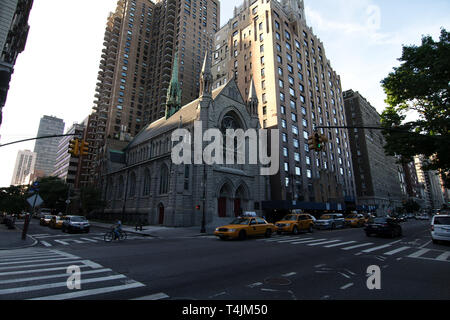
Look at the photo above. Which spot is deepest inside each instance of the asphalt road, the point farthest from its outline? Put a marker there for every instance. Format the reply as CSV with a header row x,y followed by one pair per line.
x,y
325,265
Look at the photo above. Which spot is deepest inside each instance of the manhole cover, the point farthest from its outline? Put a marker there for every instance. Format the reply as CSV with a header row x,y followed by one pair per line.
x,y
278,281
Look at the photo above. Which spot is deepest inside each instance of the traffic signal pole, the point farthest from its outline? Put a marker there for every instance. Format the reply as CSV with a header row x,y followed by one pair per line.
x,y
38,138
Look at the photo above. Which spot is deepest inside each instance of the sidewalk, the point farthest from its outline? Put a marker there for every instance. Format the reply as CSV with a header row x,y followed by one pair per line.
x,y
160,231
12,239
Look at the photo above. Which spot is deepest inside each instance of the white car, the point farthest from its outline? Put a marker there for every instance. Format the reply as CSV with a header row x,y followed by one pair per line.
x,y
440,228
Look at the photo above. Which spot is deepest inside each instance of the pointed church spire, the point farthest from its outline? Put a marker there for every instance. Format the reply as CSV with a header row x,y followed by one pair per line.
x,y
206,77
252,102
173,103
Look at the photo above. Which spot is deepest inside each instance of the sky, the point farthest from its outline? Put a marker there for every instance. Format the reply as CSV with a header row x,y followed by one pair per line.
x,y
56,75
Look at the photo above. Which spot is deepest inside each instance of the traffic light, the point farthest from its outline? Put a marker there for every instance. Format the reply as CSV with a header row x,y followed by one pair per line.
x,y
84,148
74,147
312,142
317,142
321,142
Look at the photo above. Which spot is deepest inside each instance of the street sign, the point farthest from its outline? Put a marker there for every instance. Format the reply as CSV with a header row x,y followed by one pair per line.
x,y
31,200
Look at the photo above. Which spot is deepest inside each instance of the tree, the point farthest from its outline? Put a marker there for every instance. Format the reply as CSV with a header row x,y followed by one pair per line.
x,y
421,84
54,192
13,200
91,199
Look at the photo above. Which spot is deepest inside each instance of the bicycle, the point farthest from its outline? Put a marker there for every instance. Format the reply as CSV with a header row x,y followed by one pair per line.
x,y
111,235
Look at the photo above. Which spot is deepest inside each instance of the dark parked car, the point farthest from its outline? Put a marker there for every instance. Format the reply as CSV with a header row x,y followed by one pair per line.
x,y
384,226
75,224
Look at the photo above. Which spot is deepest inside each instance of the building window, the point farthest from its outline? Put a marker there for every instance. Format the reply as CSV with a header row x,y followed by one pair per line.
x,y
164,180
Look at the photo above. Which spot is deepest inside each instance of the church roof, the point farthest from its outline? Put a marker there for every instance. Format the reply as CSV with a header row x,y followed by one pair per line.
x,y
187,113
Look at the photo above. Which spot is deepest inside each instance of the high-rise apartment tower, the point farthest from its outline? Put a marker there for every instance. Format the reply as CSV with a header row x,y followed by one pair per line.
x,y
269,41
140,42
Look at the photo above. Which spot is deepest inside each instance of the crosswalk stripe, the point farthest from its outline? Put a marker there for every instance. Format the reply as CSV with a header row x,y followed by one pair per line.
x,y
49,255
156,296
58,285
295,239
35,260
376,248
444,256
62,242
63,275
358,246
419,253
40,265
40,270
321,243
23,254
308,241
85,293
277,238
90,240
339,244
390,253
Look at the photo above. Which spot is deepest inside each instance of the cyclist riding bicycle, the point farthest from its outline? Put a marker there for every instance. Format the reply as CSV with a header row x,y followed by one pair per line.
x,y
117,229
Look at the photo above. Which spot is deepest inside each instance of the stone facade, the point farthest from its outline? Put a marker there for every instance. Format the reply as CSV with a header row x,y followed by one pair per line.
x,y
143,184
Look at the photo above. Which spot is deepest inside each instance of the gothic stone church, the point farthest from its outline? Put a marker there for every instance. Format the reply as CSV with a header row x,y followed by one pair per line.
x,y
142,183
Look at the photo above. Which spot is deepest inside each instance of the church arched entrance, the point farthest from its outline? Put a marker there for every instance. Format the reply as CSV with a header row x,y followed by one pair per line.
x,y
241,200
225,196
161,214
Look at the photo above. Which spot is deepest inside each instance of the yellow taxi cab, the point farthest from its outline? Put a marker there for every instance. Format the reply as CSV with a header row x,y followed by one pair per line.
x,y
294,223
355,220
243,227
45,220
56,222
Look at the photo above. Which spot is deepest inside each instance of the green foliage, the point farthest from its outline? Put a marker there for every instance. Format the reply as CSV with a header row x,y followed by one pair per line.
x,y
54,192
13,200
421,84
91,199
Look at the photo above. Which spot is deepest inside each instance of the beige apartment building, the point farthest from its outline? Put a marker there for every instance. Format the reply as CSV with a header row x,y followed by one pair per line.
x,y
379,179
140,42
269,41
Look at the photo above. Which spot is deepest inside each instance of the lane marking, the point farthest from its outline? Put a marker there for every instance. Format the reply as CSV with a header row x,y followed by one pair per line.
x,y
45,243
39,270
58,285
376,248
61,242
90,240
48,255
390,253
320,243
339,244
444,256
419,253
85,293
358,246
347,286
158,296
68,263
308,241
381,247
34,260
254,285
295,239
63,275
289,274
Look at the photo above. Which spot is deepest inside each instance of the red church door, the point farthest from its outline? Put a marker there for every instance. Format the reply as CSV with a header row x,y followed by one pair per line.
x,y
161,214
222,207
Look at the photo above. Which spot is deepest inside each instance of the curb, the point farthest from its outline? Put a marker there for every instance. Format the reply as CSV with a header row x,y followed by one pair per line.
x,y
23,247
133,232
